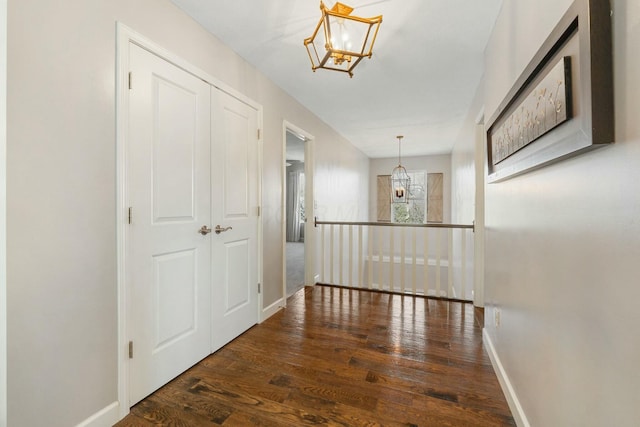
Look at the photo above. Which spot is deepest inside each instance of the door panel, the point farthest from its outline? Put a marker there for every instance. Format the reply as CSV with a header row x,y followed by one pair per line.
x,y
235,198
174,297
237,286
236,160
174,148
168,181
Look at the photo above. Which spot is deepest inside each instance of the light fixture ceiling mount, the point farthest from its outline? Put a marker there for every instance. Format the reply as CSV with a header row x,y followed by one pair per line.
x,y
341,40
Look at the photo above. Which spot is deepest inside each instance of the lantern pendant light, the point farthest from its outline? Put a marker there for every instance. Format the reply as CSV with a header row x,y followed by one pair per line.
x,y
341,40
400,181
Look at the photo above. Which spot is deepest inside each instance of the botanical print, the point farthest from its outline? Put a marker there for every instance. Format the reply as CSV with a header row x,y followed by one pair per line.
x,y
547,106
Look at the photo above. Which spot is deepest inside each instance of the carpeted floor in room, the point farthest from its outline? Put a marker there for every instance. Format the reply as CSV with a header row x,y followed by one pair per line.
x,y
295,267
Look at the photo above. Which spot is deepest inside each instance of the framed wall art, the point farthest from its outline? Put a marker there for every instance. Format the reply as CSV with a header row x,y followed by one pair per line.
x,y
562,104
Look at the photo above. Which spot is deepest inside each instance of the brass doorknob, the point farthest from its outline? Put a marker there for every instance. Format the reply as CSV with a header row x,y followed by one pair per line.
x,y
204,230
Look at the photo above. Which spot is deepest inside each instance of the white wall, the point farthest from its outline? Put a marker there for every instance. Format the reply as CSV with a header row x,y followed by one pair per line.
x,y
432,164
563,246
62,320
464,195
463,179
341,182
3,213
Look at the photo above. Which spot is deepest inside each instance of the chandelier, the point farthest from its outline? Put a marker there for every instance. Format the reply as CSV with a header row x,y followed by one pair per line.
x,y
341,40
400,181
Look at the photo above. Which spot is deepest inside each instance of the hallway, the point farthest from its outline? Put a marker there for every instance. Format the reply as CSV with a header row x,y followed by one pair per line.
x,y
342,357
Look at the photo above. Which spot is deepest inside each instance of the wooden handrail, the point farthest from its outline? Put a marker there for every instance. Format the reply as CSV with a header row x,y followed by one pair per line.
x,y
316,222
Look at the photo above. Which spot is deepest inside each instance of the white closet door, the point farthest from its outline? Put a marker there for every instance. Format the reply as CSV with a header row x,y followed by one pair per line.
x,y
235,181
169,276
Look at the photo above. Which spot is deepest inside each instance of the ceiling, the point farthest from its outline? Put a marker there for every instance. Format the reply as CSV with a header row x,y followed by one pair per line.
x,y
426,66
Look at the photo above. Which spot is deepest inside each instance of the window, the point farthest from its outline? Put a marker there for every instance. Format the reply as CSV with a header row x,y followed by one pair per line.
x,y
415,211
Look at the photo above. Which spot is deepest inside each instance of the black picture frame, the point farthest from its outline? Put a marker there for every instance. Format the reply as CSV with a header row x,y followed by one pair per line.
x,y
584,36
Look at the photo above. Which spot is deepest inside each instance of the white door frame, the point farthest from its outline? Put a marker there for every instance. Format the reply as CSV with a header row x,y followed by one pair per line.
x,y
124,37
3,212
478,245
309,228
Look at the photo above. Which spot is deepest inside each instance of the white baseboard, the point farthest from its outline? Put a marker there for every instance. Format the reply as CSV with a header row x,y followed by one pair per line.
x,y
106,417
272,309
512,400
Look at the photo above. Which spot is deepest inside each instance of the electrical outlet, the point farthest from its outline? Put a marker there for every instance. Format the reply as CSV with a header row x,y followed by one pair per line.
x,y
496,315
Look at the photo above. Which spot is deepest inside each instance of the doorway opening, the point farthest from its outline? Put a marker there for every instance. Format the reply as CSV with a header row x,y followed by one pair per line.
x,y
298,210
295,212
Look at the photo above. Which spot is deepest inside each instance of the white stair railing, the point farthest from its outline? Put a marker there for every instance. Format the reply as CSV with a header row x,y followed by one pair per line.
x,y
418,259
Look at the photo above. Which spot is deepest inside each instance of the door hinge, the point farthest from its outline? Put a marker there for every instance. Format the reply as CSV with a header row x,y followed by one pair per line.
x,y
130,349
258,133
130,85
259,211
259,288
129,215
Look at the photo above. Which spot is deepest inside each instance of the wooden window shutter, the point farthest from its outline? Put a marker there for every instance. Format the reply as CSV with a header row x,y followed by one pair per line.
x,y
383,205
434,197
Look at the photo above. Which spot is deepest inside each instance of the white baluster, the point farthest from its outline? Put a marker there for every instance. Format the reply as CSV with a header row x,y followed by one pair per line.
x,y
402,254
370,256
425,267
360,264
341,255
463,249
414,231
439,249
322,263
350,269
450,269
391,258
331,229
380,257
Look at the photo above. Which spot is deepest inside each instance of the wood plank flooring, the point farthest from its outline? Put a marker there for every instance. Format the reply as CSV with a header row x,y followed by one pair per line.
x,y
341,357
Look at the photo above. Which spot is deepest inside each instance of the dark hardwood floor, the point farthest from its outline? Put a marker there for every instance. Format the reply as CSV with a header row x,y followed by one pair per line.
x,y
341,357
